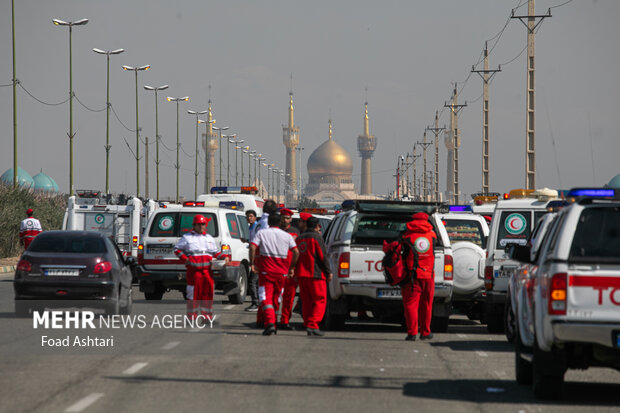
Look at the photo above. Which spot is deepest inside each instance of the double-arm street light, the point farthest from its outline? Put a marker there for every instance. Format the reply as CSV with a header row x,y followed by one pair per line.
x,y
207,122
250,155
107,114
220,145
59,22
157,137
228,142
237,147
193,112
178,165
136,70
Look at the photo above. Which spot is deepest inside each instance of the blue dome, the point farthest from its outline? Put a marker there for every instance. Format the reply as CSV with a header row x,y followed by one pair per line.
x,y
614,182
23,178
44,182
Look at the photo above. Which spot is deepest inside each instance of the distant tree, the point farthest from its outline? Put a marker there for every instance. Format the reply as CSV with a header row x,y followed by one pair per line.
x,y
307,203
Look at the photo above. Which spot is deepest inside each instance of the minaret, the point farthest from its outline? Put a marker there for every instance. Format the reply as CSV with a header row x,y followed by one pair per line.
x,y
366,145
210,146
291,141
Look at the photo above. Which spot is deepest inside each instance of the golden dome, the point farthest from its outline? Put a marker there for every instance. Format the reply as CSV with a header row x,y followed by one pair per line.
x,y
330,159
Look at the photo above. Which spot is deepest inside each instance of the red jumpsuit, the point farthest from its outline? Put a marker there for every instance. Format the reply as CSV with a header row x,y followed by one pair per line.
x,y
290,286
418,295
197,251
310,270
273,266
28,229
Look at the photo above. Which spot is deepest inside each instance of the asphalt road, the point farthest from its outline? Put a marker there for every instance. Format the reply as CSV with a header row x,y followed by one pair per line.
x,y
232,367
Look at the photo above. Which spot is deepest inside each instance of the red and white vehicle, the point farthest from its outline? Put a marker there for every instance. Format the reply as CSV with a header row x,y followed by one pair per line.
x,y
354,242
159,270
569,317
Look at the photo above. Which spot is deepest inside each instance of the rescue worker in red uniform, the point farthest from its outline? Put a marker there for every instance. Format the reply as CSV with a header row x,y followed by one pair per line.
x,y
290,283
312,272
28,229
418,294
197,249
274,265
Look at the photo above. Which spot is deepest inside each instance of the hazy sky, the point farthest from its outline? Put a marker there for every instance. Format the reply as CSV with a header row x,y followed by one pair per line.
x,y
407,53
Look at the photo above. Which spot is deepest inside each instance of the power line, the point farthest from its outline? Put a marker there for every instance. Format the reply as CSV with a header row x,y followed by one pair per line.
x,y
92,110
119,120
515,58
39,100
560,5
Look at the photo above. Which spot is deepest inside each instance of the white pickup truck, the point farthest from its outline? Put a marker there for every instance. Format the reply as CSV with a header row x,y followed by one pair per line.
x,y
569,317
354,249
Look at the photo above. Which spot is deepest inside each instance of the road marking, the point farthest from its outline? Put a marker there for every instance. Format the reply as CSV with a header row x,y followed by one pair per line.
x,y
171,345
500,374
84,403
482,353
195,330
461,335
135,368
229,307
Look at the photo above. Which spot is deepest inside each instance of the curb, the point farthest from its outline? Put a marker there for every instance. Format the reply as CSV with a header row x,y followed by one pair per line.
x,y
7,268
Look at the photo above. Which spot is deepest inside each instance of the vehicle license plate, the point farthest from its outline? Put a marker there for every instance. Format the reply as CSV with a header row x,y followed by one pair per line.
x,y
159,251
63,272
388,293
505,272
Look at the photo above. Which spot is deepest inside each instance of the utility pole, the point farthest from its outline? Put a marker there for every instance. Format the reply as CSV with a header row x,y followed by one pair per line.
x,y
455,108
146,166
530,124
414,157
436,130
424,145
486,76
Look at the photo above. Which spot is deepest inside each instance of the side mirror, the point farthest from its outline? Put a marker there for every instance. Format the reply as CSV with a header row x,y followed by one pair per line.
x,y
518,252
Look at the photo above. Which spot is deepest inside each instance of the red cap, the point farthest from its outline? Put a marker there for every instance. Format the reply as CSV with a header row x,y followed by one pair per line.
x,y
200,219
29,211
287,212
304,216
421,215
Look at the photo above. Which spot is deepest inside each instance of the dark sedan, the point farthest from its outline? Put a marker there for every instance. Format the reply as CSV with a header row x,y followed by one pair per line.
x,y
76,266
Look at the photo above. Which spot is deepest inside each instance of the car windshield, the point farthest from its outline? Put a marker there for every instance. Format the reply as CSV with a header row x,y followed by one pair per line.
x,y
175,224
464,230
373,229
597,237
68,243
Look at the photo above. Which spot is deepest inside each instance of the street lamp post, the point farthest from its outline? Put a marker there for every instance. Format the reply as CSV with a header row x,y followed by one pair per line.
x,y
228,142
191,112
107,115
237,147
157,137
136,70
178,165
220,144
299,149
250,155
59,22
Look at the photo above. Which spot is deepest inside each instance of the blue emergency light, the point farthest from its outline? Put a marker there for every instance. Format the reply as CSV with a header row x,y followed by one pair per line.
x,y
460,208
592,193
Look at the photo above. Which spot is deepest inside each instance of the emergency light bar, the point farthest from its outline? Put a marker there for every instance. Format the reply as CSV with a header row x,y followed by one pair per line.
x,y
234,190
593,193
460,208
193,203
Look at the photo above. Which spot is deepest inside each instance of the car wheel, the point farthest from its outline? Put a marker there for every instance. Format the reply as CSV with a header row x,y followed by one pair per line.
x,y
156,294
523,367
509,321
440,324
547,373
495,319
239,297
22,308
127,308
333,322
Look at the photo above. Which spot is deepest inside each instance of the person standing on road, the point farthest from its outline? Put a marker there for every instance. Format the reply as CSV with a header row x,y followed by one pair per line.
x,y
273,246
197,249
313,273
418,294
253,277
28,229
290,284
269,207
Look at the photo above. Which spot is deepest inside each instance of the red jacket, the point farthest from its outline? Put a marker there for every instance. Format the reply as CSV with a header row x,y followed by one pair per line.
x,y
312,261
421,237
